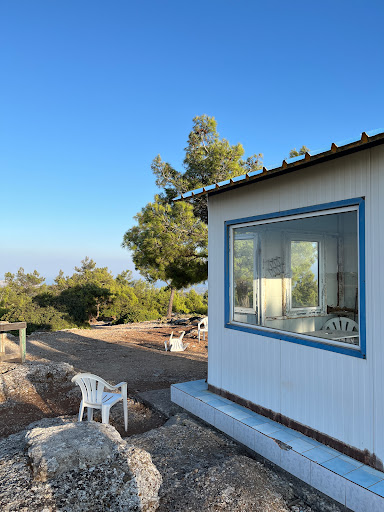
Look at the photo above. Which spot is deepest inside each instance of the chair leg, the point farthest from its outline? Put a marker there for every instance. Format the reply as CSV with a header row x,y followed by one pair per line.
x,y
199,336
90,413
81,411
105,414
125,416
125,407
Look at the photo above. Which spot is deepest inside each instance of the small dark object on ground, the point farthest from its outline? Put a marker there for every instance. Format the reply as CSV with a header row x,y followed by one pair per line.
x,y
181,321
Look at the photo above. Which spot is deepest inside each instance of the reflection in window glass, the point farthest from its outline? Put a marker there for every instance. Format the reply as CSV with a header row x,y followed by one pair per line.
x,y
243,257
295,275
305,274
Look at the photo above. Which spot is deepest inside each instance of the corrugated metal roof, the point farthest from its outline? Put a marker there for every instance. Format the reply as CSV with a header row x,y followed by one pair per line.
x,y
367,139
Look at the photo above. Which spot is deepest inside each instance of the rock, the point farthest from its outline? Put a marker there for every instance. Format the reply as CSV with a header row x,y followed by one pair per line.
x,y
181,321
17,379
56,450
203,470
177,419
194,320
240,484
18,491
88,467
145,482
33,390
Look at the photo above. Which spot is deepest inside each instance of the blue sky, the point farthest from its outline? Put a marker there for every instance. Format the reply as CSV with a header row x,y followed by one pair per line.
x,y
92,91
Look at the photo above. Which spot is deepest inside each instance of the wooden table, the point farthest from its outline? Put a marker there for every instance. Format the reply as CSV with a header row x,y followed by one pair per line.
x,y
15,326
335,335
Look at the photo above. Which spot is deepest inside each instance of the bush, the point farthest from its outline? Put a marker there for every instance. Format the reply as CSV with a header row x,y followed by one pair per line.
x,y
90,292
137,314
123,301
180,304
190,302
38,318
196,303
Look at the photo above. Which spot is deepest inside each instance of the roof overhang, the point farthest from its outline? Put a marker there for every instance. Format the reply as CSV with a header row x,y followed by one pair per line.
x,y
367,140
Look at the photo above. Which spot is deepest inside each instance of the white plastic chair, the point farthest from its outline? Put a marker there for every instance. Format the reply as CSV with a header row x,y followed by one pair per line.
x,y
202,327
175,344
341,323
94,397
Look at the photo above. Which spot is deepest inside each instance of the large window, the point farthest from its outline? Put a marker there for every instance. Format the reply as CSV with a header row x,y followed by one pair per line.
x,y
297,274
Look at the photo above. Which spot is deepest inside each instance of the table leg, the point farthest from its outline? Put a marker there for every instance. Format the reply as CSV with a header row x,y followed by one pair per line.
x,y
22,339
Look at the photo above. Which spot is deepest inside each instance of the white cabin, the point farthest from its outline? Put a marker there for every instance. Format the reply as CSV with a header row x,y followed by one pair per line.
x,y
296,295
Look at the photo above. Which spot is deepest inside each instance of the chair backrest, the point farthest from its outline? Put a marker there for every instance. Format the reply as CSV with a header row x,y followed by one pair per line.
x,y
92,387
203,324
167,343
341,323
175,344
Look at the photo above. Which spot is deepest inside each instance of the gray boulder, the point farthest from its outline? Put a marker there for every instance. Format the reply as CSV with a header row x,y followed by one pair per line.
x,y
59,449
20,383
33,390
88,467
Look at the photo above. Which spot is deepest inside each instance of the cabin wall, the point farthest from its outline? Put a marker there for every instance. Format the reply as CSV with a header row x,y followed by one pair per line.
x,y
336,394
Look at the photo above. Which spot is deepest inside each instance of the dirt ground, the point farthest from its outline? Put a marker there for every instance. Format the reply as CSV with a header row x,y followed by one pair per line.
x,y
133,353
201,468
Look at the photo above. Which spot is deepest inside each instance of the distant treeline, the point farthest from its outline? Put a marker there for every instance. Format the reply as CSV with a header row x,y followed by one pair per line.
x,y
91,293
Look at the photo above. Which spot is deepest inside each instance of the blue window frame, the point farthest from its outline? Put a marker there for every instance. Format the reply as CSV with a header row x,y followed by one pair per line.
x,y
268,293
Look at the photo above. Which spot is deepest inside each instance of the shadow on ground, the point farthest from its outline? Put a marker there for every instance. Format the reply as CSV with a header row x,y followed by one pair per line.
x,y
142,367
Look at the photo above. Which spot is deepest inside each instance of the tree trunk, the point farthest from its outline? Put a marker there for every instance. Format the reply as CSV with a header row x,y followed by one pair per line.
x,y
170,303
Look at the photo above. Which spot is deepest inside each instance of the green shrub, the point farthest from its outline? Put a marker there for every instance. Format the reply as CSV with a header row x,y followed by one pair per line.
x,y
196,303
38,318
180,304
137,314
89,293
122,301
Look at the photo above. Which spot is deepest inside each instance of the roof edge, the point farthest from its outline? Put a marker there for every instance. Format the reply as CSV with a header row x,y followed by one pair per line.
x,y
367,140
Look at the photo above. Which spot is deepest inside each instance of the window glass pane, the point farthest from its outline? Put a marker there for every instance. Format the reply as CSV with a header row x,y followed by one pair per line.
x,y
298,275
243,256
305,274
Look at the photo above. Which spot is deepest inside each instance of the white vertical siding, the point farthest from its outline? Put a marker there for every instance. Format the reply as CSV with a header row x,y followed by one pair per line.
x,y
375,291
339,395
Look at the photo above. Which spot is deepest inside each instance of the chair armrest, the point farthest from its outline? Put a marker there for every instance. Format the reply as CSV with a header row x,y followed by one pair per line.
x,y
120,385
